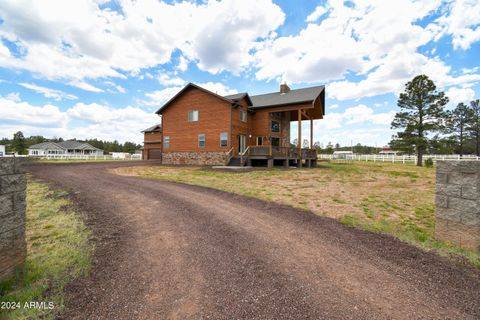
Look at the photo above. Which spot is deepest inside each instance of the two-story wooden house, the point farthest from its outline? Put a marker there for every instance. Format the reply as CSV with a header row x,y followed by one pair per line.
x,y
200,127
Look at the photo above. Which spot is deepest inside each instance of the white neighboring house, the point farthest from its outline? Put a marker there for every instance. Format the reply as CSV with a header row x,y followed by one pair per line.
x,y
69,148
2,150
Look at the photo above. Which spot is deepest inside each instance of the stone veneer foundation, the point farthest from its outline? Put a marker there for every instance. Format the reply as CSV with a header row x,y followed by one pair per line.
x,y
458,203
13,184
195,158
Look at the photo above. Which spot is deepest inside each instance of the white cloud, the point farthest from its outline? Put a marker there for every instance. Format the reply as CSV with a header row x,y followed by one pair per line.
x,y
360,114
317,13
13,96
457,95
23,114
168,80
48,92
182,64
77,41
84,86
462,22
377,41
81,121
218,88
158,98
117,87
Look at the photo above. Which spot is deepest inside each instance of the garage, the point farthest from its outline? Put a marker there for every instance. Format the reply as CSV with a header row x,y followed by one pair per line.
x,y
154,154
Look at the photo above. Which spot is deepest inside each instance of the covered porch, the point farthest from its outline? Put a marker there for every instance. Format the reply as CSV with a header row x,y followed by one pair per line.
x,y
279,151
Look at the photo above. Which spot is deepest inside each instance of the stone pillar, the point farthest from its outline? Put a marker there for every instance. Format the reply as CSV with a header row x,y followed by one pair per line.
x,y
458,203
13,184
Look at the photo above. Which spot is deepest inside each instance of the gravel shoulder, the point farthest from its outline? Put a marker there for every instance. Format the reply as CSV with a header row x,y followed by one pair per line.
x,y
172,251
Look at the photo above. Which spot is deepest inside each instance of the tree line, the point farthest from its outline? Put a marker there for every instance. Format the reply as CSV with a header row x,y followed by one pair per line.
x,y
426,127
19,144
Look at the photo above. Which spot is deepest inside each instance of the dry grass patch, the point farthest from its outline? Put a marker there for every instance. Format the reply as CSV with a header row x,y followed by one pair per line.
x,y
397,199
332,190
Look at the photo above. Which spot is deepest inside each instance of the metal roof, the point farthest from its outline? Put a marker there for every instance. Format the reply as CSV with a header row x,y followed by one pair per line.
x,y
291,97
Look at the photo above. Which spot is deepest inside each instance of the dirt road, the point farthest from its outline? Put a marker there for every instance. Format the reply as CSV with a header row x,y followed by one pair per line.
x,y
172,251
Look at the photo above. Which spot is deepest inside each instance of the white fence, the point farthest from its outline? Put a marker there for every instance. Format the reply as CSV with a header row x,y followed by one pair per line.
x,y
397,158
86,157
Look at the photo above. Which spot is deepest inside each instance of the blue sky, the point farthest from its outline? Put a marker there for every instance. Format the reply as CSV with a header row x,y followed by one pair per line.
x,y
97,68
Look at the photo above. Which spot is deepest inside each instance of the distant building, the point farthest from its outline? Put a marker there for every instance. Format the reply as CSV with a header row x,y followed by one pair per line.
x,y
2,150
120,155
71,147
388,151
347,155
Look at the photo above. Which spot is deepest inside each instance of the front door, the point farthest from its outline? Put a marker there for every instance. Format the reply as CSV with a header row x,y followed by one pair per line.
x,y
242,143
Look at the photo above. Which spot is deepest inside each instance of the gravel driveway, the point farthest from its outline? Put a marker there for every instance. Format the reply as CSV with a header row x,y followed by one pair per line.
x,y
171,251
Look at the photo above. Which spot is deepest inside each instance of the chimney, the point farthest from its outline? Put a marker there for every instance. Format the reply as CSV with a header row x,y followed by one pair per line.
x,y
284,88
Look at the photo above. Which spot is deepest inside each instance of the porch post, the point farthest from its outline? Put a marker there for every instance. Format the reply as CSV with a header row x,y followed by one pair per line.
x,y
299,138
311,133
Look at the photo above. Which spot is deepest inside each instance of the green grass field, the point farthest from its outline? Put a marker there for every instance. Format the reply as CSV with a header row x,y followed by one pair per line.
x,y
396,199
58,251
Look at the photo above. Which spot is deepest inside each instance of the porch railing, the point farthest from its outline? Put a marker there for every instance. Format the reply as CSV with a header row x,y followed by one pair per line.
x,y
276,152
244,156
229,156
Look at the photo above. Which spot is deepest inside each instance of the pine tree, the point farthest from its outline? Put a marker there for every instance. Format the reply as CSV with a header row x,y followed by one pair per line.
x,y
458,121
422,112
474,125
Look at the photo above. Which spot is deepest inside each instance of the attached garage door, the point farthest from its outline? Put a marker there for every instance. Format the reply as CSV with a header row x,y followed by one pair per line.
x,y
154,154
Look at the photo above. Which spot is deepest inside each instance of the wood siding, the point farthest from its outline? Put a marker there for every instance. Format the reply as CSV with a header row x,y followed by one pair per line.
x,y
261,127
240,127
152,140
214,118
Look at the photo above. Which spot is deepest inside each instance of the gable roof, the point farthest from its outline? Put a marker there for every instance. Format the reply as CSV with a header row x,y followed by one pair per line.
x,y
70,144
46,146
154,128
190,85
304,95
291,97
239,96
73,144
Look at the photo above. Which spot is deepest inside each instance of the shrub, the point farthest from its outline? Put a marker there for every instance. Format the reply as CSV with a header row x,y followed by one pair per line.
x,y
428,162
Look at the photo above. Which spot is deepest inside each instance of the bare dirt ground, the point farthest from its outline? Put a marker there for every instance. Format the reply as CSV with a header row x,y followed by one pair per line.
x,y
171,251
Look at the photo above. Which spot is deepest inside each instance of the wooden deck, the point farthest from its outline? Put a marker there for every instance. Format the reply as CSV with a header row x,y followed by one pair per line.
x,y
287,155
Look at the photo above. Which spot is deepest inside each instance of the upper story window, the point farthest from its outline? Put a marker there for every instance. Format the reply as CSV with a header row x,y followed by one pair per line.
x,y
259,141
223,139
166,142
275,126
193,115
243,115
201,140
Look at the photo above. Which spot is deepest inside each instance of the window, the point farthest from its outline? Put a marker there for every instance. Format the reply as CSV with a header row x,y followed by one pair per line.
x,y
223,139
193,115
243,115
166,142
275,126
201,140
259,141
275,142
